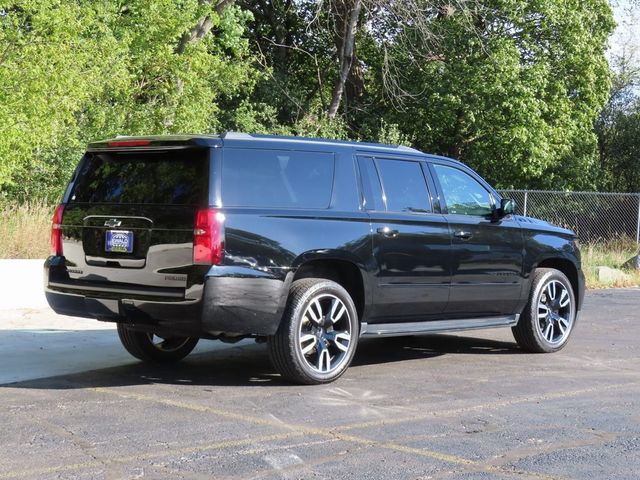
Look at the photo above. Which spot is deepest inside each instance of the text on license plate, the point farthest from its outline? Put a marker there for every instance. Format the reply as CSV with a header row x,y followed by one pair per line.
x,y
119,241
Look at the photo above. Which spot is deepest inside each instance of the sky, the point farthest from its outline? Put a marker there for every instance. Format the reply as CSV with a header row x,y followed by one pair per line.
x,y
627,33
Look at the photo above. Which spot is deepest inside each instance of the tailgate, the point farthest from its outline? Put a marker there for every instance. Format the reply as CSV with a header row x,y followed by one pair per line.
x,y
128,223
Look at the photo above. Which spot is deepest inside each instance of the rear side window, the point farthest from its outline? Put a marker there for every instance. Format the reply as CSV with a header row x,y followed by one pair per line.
x,y
276,178
170,178
405,189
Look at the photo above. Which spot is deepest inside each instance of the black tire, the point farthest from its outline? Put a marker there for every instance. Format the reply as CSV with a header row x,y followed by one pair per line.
x,y
325,358
142,346
547,321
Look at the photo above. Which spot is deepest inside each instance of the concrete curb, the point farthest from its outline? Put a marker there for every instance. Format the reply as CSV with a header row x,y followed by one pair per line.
x,y
21,284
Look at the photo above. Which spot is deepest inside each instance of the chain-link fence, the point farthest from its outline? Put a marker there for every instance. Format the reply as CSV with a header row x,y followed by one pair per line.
x,y
594,216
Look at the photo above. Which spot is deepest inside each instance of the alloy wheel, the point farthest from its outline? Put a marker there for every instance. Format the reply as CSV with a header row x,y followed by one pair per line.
x,y
325,333
555,313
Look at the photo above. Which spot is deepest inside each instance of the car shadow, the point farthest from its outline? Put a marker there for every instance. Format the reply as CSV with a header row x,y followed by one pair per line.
x,y
247,364
383,350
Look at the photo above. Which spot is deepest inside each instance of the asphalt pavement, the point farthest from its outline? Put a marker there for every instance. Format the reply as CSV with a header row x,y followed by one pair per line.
x,y
73,404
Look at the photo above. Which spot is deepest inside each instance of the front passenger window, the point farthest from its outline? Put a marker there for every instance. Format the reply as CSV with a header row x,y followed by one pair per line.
x,y
463,194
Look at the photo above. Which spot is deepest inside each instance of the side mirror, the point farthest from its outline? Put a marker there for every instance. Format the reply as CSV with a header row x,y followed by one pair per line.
x,y
507,207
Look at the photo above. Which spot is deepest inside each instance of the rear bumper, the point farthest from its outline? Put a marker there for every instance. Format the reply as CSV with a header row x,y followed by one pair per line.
x,y
179,318
234,300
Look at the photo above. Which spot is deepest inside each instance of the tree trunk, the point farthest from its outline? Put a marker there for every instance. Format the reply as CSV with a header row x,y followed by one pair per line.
x,y
347,14
203,26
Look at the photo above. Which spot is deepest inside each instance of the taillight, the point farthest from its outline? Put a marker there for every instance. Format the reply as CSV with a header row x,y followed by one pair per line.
x,y
208,237
56,231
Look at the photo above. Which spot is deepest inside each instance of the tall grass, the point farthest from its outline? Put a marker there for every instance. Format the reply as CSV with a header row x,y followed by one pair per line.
x,y
612,253
25,230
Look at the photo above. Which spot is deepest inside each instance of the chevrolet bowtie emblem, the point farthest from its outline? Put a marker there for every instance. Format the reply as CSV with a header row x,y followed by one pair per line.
x,y
113,222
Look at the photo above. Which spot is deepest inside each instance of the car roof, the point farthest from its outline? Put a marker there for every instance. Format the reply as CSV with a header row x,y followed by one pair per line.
x,y
232,138
240,139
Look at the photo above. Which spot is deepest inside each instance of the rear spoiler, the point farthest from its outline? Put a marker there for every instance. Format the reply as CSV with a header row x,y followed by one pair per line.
x,y
139,144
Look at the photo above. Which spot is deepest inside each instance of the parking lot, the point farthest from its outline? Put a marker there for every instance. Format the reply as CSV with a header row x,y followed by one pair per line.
x,y
471,406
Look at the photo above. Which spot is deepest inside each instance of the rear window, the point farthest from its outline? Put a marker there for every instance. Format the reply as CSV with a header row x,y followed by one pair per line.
x,y
171,178
276,178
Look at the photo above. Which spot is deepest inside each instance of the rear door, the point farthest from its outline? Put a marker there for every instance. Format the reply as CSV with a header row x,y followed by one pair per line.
x,y
411,242
487,254
129,218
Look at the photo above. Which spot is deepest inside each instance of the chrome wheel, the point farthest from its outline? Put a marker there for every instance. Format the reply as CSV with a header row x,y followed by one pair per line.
x,y
168,344
325,333
555,313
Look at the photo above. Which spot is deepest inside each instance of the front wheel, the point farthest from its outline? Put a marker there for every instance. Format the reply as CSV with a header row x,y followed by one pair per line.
x,y
550,315
149,347
317,337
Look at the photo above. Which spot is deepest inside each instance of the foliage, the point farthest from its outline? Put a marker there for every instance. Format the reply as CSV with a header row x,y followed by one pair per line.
x,y
511,87
619,135
515,96
75,71
618,125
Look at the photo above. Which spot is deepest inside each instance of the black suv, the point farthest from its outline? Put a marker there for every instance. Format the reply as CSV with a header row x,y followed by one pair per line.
x,y
308,244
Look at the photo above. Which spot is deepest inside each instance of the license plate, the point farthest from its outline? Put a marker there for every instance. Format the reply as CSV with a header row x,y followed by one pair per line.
x,y
120,241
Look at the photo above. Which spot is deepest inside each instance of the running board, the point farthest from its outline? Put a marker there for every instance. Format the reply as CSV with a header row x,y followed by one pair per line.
x,y
435,326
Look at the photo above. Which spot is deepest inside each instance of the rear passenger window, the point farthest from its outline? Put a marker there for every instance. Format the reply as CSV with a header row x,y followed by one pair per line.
x,y
404,186
276,178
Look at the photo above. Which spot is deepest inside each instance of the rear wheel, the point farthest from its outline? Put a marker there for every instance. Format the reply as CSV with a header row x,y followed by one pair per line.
x,y
550,315
153,348
318,334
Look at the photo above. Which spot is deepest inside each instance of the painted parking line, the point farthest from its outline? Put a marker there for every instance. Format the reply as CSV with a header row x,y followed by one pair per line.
x,y
487,406
33,473
296,430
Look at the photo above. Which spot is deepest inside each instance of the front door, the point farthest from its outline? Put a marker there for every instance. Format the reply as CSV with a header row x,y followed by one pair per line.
x,y
487,254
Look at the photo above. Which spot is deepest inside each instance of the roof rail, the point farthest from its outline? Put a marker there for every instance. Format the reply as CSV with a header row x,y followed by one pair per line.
x,y
248,136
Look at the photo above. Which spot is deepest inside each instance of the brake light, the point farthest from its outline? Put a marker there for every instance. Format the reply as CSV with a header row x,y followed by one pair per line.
x,y
129,143
208,237
56,231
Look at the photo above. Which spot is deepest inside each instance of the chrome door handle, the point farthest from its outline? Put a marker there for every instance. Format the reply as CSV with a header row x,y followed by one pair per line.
x,y
461,234
387,232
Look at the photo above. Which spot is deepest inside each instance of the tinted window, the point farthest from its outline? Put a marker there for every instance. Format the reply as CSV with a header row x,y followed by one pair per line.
x,y
276,178
404,186
160,178
370,184
463,194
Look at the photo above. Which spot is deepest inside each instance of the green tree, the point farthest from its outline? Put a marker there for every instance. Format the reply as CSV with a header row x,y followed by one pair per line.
x,y
517,97
75,71
511,87
618,125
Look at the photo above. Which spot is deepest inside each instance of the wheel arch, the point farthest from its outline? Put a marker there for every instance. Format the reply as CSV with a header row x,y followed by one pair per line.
x,y
345,272
569,269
